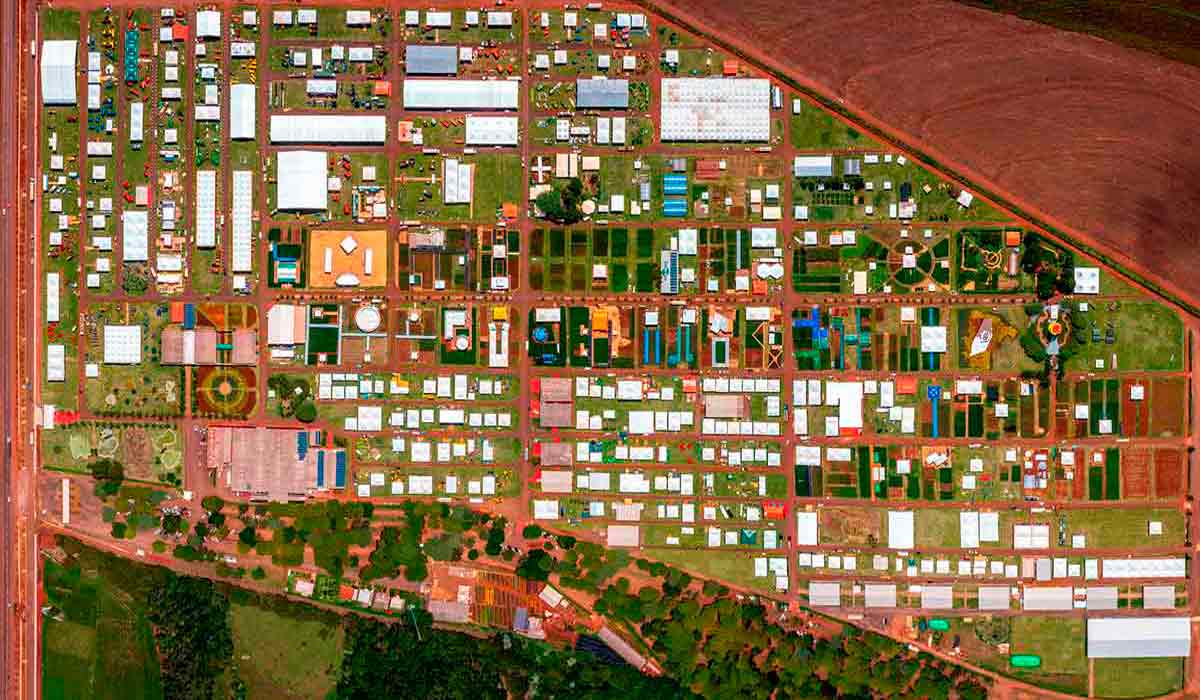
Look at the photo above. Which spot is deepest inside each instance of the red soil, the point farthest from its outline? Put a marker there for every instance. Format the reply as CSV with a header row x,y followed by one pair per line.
x,y
1135,474
1168,473
1097,139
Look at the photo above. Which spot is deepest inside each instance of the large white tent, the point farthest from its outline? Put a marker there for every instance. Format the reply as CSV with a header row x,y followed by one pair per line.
x,y
716,109
243,203
461,94
900,529
58,72
328,128
491,131
241,111
206,208
302,181
1138,637
135,241
122,345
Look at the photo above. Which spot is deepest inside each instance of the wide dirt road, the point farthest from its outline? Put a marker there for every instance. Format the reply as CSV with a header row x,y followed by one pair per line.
x,y
1097,139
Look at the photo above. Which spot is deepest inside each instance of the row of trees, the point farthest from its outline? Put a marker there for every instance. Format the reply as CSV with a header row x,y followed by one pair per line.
x,y
416,661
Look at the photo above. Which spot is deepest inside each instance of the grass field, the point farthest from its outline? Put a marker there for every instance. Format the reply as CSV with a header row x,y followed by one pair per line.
x,y
1137,678
1147,336
100,644
735,567
815,128
1058,640
283,656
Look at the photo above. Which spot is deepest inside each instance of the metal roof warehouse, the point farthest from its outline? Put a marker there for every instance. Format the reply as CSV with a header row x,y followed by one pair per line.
x,y
420,59
602,94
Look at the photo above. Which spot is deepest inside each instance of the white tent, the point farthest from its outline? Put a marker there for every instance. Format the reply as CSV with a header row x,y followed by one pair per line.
x,y
880,595
1138,637
491,131
937,597
58,72
900,529
1047,598
241,111
135,242
994,598
302,181
243,203
623,536
206,208
806,529
824,593
328,128
122,345
716,109
208,24
56,362
461,94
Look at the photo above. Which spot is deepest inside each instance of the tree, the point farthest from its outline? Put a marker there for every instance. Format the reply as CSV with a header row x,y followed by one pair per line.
x,y
172,524
306,412
562,205
213,504
192,633
108,470
258,573
531,531
248,536
536,565
1032,255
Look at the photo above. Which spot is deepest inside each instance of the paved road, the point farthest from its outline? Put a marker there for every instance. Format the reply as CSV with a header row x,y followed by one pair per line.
x,y
18,638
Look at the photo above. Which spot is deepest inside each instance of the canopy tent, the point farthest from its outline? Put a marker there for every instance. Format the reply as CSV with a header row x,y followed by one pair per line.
x,y
302,181
58,72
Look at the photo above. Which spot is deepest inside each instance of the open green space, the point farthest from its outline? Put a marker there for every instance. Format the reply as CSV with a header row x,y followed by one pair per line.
x,y
284,652
814,128
97,642
736,568
1057,640
1137,678
1145,336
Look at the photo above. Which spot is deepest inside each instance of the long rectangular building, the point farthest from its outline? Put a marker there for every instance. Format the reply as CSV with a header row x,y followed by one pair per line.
x,y
328,128
461,94
1138,637
206,208
243,203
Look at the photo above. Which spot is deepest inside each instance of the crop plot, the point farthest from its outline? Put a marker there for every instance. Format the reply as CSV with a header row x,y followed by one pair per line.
x,y
1169,477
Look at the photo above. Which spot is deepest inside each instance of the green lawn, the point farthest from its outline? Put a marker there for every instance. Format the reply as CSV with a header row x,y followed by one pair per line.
x,y
498,178
735,567
814,128
1148,336
1137,678
936,527
1058,640
291,656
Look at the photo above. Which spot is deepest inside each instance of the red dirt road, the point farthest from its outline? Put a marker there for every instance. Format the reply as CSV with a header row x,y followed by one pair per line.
x,y
1098,140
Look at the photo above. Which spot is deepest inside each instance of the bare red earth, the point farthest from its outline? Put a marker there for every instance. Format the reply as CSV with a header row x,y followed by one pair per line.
x,y
1099,140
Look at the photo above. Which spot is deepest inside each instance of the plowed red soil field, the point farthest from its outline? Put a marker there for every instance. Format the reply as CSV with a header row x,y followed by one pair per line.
x,y
1168,473
1096,138
1135,474
1169,410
